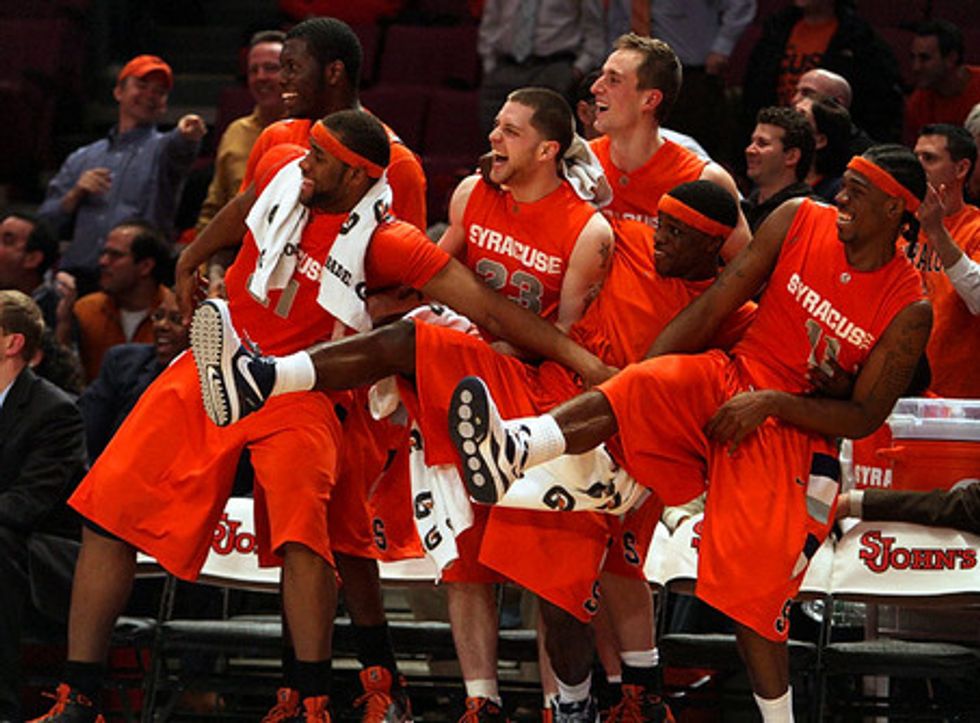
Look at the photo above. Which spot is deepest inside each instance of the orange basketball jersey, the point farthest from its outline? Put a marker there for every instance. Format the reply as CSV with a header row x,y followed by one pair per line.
x,y
520,249
816,306
636,194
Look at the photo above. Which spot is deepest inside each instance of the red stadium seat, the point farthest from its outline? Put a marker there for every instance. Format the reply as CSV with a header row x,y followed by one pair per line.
x,y
964,13
370,37
403,107
418,55
893,13
453,125
900,41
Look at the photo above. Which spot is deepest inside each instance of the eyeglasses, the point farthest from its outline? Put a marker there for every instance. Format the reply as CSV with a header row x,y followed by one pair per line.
x,y
161,314
114,253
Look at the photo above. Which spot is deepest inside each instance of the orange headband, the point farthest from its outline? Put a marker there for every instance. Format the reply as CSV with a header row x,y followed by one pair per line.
x,y
332,145
695,219
884,180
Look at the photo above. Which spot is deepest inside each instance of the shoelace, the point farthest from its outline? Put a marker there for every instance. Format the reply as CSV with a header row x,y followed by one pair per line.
x,y
375,704
60,698
281,711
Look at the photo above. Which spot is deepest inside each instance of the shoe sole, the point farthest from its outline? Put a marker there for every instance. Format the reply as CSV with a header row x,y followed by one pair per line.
x,y
213,346
470,411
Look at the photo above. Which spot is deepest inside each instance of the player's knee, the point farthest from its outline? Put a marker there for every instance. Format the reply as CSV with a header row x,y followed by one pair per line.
x,y
570,644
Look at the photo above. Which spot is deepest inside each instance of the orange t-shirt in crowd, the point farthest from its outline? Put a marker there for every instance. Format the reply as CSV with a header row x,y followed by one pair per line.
x,y
405,175
521,250
636,194
926,106
816,306
954,345
804,50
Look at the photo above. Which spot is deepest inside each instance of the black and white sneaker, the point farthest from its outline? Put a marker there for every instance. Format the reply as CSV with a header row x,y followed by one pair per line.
x,y
583,711
493,452
235,379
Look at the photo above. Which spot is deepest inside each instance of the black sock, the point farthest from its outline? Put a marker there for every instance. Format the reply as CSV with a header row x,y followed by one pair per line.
x,y
289,667
86,678
313,678
651,679
373,644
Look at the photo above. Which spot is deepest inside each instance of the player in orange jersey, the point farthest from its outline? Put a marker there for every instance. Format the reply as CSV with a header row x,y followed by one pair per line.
x,y
949,240
835,289
160,486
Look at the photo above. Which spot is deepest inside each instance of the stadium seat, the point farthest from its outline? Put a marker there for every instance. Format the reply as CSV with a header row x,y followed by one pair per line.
x,y
403,107
892,14
963,13
452,125
419,55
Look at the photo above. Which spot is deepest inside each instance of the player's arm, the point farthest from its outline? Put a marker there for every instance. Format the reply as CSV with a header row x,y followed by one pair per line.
x,y
884,377
587,269
956,266
741,234
226,229
457,287
693,329
453,239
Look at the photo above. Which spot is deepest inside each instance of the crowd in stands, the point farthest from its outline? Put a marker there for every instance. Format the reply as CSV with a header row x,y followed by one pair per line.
x,y
777,98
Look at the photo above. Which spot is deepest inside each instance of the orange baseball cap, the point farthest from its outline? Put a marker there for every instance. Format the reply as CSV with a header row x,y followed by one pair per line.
x,y
143,65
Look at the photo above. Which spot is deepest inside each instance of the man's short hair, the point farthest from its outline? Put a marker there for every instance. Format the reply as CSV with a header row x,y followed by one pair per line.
x,y
959,142
948,35
330,39
551,115
266,36
708,199
660,69
41,238
902,164
362,133
150,243
796,133
20,315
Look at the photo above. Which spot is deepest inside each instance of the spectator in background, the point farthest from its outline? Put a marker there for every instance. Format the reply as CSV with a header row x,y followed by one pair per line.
x,y
27,251
825,34
949,239
237,140
831,126
824,82
136,171
777,161
548,43
945,89
135,264
972,124
58,364
42,457
703,33
126,372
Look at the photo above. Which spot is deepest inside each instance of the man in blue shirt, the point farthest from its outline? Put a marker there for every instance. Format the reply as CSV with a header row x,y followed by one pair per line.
x,y
136,171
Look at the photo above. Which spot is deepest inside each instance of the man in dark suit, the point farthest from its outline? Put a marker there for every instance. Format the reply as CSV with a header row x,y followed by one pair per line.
x,y
958,508
42,457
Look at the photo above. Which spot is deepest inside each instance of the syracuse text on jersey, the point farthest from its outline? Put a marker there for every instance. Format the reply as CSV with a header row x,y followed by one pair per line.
x,y
530,257
822,310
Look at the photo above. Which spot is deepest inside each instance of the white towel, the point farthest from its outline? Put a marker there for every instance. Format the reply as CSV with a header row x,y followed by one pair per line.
x,y
277,220
582,170
441,507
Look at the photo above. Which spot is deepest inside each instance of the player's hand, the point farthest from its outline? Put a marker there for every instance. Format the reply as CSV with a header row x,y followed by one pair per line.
x,y
192,126
596,373
831,380
94,181
739,416
932,209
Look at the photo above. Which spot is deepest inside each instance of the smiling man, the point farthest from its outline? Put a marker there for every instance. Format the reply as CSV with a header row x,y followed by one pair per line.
x,y
137,171
835,292
634,93
777,160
